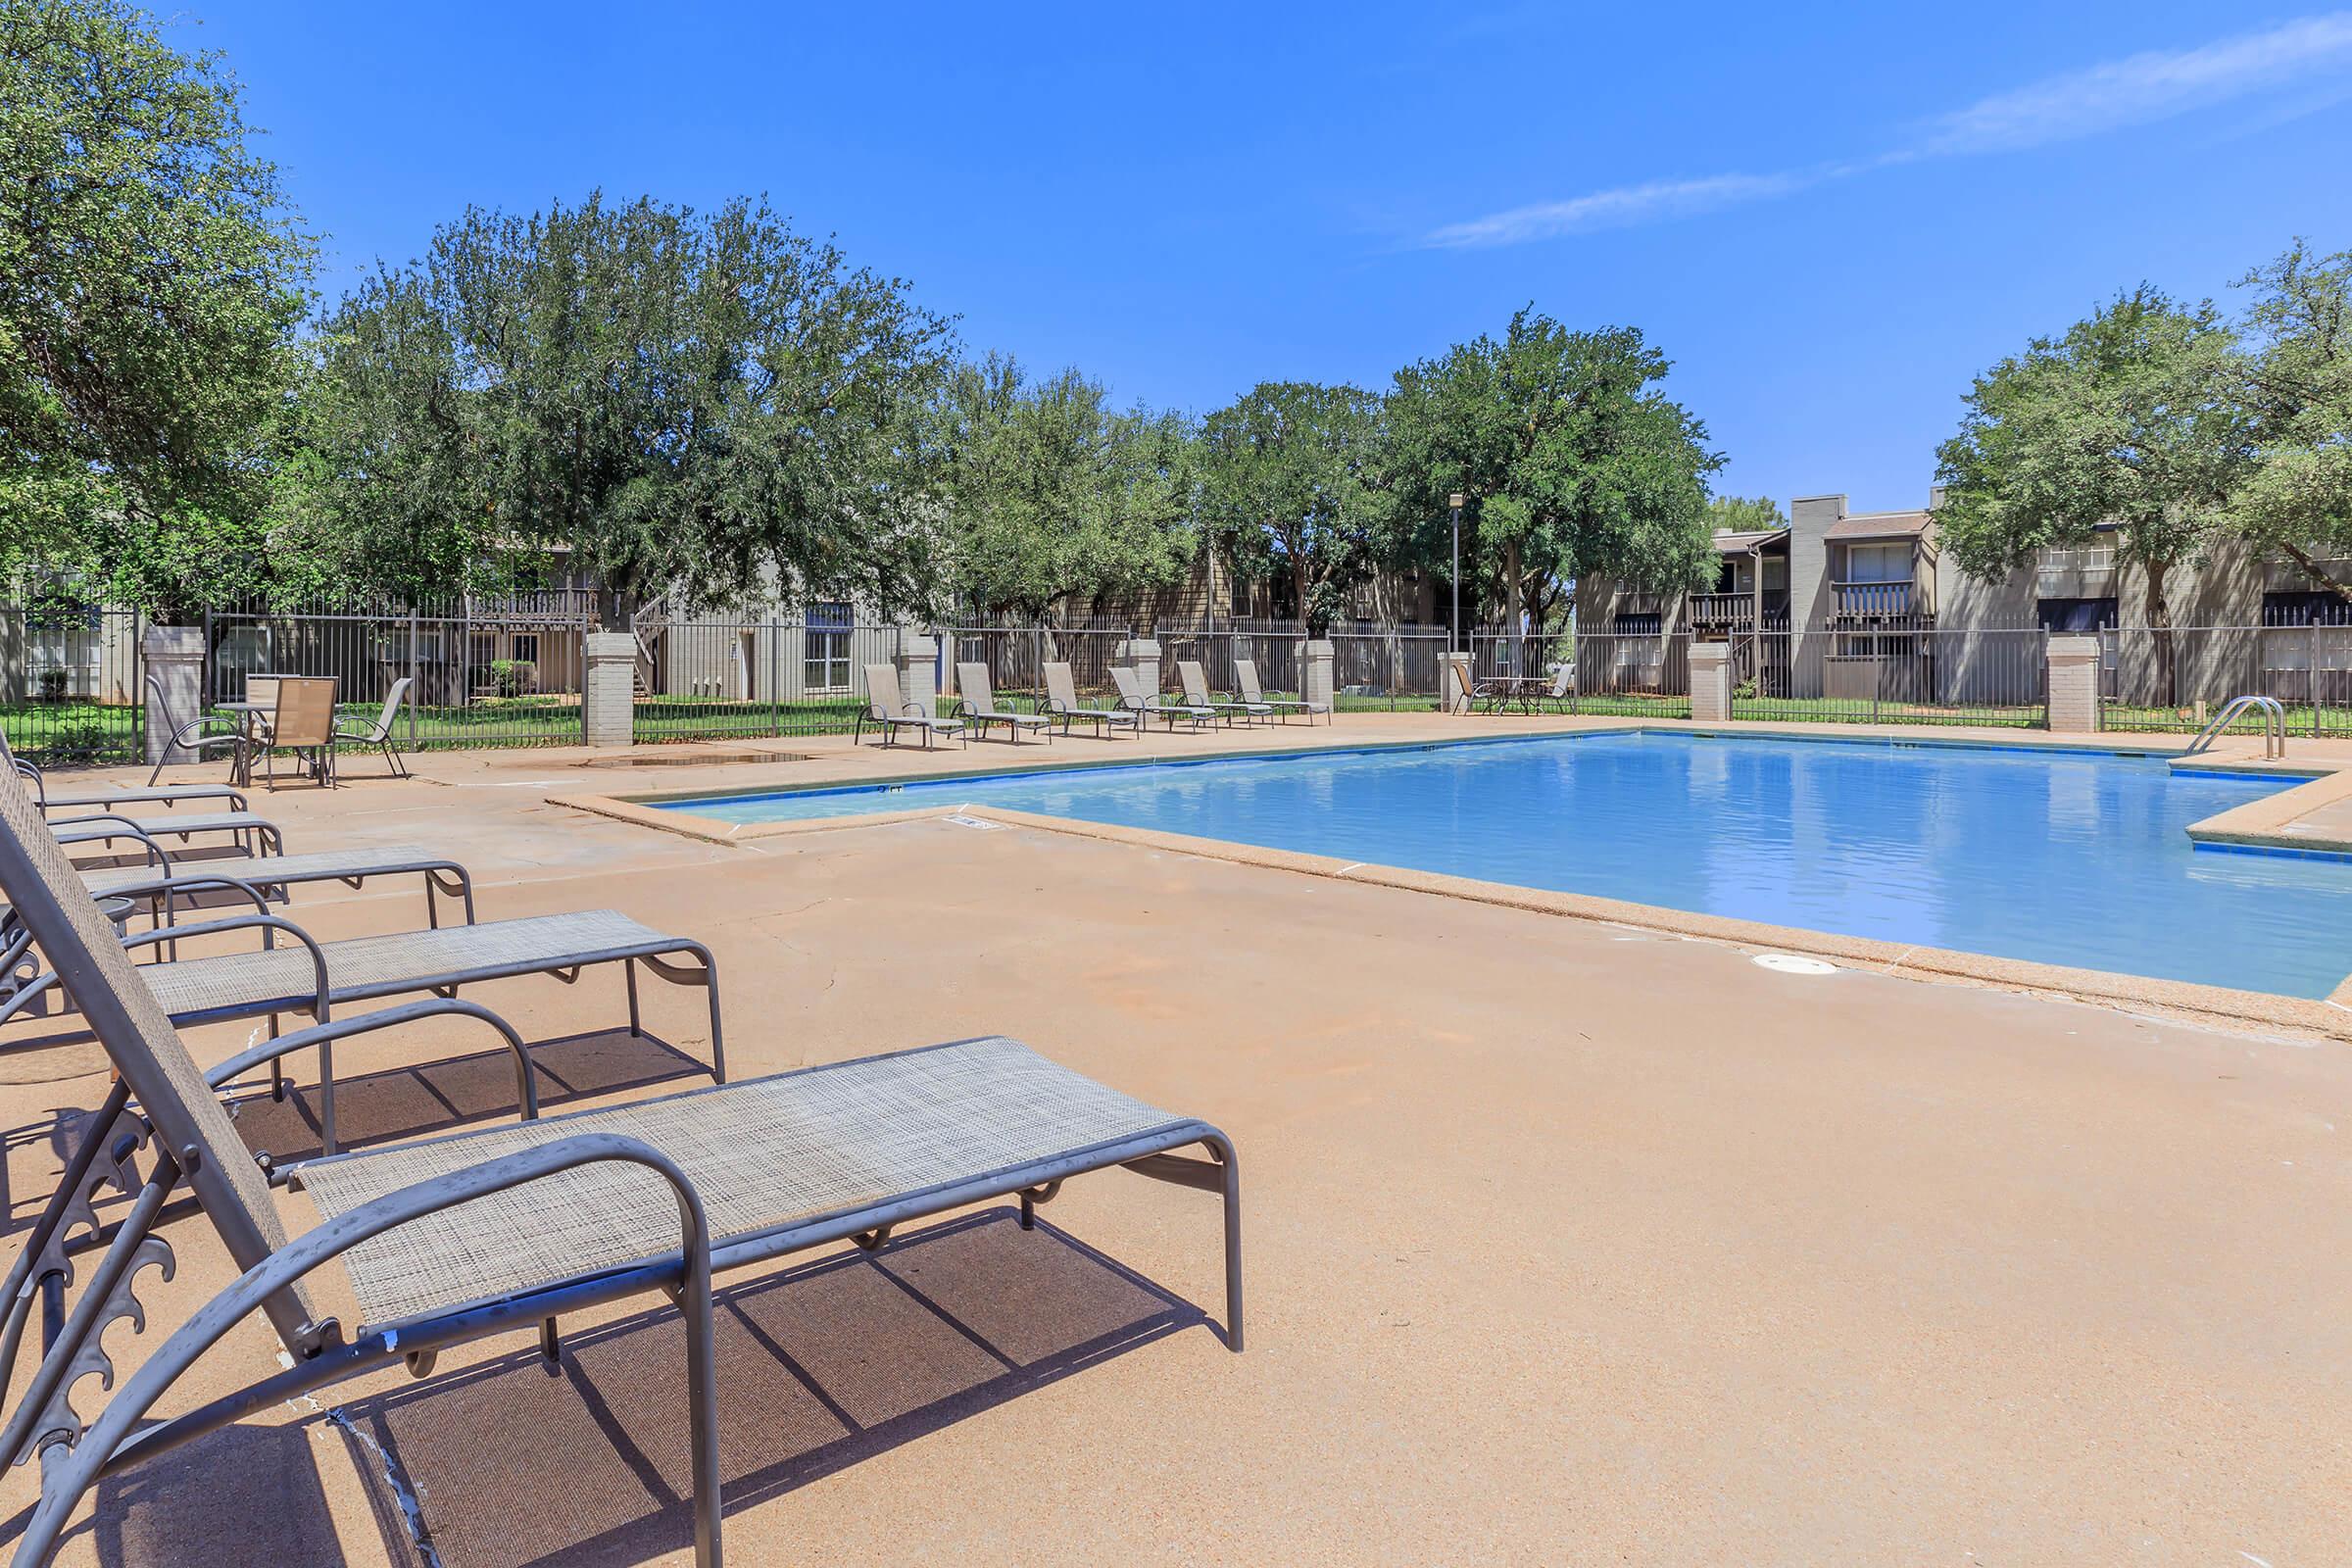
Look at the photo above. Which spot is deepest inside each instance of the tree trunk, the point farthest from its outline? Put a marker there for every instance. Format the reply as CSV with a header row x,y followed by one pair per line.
x,y
2317,572
2160,623
1514,590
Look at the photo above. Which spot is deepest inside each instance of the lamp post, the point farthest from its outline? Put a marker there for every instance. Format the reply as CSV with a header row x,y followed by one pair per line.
x,y
1454,630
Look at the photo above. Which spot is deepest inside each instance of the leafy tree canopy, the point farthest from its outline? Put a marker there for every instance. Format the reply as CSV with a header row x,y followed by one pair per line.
x,y
1573,458
1052,494
151,283
1744,515
2297,495
2129,418
706,406
1289,484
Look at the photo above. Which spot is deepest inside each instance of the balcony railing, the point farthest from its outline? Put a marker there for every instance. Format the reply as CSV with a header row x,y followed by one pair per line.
x,y
1878,601
1734,611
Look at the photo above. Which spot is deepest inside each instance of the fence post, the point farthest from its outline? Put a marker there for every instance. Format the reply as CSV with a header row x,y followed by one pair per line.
x,y
2314,677
609,702
175,668
918,668
1711,683
2074,685
413,628
1454,696
1141,654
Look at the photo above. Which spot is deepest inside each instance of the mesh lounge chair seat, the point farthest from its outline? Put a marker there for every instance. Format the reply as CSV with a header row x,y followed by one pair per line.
x,y
276,874
1062,702
107,828
464,1238
976,705
885,708
165,795
1144,704
774,1152
1196,692
1244,675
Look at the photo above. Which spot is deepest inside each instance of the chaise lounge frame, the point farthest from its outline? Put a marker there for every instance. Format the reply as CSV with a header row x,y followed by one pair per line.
x,y
192,1144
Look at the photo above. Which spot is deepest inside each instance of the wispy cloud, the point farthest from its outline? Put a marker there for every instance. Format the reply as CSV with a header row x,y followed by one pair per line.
x,y
2145,87
2137,91
1621,208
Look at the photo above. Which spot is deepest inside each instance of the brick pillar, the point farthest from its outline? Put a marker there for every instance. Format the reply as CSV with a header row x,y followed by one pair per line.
x,y
1452,695
174,657
1711,683
2074,684
1316,660
919,669
1141,654
610,701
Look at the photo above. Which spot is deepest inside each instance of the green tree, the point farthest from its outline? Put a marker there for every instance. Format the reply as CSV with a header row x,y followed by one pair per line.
x,y
1573,458
2296,498
1289,484
152,279
1744,515
2129,418
1051,494
708,407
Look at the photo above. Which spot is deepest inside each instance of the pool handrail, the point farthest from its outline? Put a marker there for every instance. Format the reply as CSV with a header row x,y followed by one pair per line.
x,y
2273,725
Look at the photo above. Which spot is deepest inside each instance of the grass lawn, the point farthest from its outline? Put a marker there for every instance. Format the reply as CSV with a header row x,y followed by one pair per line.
x,y
2301,719
1845,711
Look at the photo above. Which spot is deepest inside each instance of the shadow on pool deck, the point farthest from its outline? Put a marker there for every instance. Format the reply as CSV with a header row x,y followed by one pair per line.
x,y
820,1369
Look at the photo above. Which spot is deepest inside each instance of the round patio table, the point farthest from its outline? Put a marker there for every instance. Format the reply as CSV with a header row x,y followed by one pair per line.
x,y
248,714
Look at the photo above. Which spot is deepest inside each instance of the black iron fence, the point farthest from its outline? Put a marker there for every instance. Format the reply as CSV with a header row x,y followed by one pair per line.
x,y
2179,678
1892,674
512,671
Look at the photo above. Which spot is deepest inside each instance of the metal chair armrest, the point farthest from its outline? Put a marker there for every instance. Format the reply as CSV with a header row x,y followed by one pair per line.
x,y
326,1033
271,923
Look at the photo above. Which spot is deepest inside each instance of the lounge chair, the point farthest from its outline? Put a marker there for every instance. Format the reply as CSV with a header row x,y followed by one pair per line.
x,y
313,977
1195,681
378,731
976,705
274,877
168,796
886,708
255,834
194,734
1144,704
1244,675
501,1230
1062,702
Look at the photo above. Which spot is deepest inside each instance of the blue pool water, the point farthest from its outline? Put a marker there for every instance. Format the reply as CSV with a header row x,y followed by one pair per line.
x,y
2064,857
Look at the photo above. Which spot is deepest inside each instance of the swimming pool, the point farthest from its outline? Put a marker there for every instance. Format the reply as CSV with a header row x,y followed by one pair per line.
x,y
2071,858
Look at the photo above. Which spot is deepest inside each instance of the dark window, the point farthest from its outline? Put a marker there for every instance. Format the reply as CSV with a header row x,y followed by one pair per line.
x,y
1727,580
1640,625
2076,615
2306,608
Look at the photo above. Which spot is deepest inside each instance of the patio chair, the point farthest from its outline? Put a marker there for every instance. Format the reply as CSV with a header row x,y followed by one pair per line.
x,y
1062,702
255,834
271,879
1195,681
304,723
1563,690
976,704
1244,675
893,712
1144,704
165,795
378,732
499,1230
1492,693
192,735
313,977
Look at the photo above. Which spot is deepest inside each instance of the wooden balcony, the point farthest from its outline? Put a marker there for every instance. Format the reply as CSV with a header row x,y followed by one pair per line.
x,y
1733,611
1879,601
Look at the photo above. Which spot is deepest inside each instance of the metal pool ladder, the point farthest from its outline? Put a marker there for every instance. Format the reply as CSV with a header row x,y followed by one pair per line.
x,y
2273,725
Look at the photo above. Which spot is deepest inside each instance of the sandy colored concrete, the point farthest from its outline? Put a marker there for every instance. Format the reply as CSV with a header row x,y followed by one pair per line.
x,y
1566,1242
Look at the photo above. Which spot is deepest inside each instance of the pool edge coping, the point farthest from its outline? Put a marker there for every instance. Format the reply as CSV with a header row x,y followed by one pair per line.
x,y
2330,1016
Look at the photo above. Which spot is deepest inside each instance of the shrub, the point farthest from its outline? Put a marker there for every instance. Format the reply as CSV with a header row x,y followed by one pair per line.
x,y
77,744
53,685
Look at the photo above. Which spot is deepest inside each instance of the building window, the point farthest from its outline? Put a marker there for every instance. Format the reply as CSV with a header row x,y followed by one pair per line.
x,y
1877,562
1640,624
825,648
2306,608
2076,615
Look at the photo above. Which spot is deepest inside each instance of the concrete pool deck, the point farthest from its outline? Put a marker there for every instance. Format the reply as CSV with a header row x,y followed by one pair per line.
x,y
1566,1242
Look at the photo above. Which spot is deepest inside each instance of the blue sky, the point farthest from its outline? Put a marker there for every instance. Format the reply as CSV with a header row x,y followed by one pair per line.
x,y
1830,217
